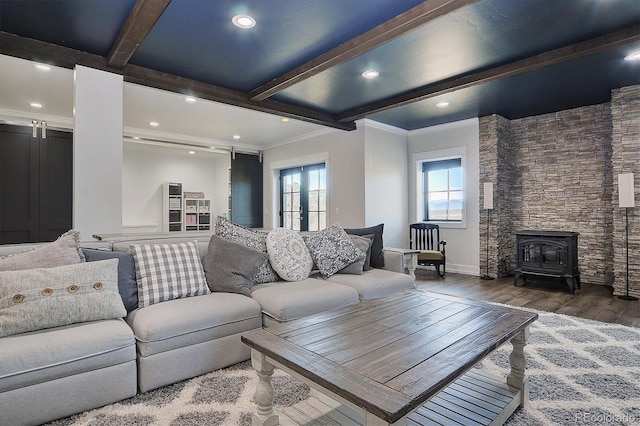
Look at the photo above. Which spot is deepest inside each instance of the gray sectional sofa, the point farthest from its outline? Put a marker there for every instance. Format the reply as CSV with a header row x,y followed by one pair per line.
x,y
55,372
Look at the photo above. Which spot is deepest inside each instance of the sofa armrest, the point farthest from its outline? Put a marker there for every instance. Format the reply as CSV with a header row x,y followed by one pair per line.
x,y
399,260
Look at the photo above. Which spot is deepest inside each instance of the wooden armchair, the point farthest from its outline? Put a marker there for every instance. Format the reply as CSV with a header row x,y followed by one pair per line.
x,y
426,238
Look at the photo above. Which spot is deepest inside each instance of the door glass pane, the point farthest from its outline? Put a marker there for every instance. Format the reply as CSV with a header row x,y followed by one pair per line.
x,y
313,201
322,220
313,221
322,200
295,221
296,202
313,180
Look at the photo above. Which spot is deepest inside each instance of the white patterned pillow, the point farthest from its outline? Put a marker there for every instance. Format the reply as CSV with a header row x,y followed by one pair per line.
x,y
288,254
331,249
248,237
168,271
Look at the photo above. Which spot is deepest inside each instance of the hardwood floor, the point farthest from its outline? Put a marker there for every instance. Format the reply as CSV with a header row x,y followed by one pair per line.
x,y
594,302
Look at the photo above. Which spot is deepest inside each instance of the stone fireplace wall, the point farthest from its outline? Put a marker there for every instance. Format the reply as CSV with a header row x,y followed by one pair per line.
x,y
625,141
559,171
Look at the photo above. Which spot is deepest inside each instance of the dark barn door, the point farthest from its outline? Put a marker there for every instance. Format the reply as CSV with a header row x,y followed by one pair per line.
x,y
246,190
36,184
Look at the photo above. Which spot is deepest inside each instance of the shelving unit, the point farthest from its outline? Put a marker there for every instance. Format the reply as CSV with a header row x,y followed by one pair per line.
x,y
197,214
172,207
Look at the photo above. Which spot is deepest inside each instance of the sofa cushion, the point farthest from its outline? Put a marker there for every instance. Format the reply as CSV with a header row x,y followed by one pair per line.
x,y
255,239
183,322
63,251
288,254
126,274
231,267
374,283
40,298
377,257
39,356
285,301
168,271
357,267
332,250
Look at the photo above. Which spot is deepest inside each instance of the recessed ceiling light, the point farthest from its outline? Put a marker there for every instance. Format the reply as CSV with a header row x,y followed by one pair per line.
x,y
243,21
190,99
153,124
370,74
635,56
35,105
442,104
136,138
192,152
284,120
236,136
43,67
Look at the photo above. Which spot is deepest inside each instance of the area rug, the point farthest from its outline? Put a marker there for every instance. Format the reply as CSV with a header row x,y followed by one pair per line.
x,y
581,372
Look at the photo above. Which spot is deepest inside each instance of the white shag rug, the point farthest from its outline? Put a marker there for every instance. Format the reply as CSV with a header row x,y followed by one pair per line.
x,y
581,372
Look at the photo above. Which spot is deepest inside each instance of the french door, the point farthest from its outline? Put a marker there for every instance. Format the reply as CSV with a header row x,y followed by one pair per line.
x,y
303,198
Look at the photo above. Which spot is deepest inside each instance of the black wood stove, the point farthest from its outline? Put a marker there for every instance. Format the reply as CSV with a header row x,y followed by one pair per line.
x,y
548,253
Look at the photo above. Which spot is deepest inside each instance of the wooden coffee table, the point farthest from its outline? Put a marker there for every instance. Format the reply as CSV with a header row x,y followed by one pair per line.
x,y
401,359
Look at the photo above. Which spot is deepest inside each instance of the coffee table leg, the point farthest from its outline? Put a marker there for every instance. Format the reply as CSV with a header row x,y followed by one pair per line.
x,y
517,377
266,415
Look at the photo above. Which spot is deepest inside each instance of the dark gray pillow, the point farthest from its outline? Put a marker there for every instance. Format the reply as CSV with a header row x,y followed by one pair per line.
x,y
231,267
377,257
126,274
357,267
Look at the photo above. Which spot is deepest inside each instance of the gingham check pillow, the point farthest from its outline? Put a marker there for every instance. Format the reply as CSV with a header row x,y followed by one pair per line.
x,y
168,271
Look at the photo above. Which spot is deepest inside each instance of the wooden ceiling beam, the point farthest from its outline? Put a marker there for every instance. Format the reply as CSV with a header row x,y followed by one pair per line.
x,y
383,33
47,53
532,63
142,18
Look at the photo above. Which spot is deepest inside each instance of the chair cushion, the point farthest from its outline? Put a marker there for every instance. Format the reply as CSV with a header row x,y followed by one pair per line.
x,y
183,322
429,255
286,301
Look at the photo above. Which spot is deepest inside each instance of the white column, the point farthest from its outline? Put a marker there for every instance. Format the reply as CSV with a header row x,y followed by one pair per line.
x,y
97,152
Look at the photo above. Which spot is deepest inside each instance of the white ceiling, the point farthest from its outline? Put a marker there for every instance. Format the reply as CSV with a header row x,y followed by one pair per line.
x,y
203,123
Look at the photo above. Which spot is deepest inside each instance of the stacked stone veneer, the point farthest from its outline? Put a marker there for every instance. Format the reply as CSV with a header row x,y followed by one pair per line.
x,y
625,141
559,172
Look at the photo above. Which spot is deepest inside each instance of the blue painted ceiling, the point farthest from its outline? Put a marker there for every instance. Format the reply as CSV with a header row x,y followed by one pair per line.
x,y
195,39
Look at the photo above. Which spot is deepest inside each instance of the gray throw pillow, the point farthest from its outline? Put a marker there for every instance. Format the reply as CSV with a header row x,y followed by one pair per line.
x,y
126,274
230,267
248,237
357,267
331,250
34,299
63,251
377,256
168,271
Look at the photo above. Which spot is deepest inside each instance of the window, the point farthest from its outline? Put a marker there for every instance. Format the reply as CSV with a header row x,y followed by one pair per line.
x,y
303,195
443,193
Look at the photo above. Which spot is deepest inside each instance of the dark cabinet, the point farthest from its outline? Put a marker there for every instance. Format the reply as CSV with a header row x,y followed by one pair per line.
x,y
36,184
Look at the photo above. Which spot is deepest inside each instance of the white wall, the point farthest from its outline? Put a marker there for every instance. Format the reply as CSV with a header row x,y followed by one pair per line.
x,y
463,243
97,152
146,167
386,197
366,177
343,153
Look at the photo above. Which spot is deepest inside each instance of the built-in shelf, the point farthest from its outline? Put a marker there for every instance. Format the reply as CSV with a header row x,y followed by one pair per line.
x,y
172,207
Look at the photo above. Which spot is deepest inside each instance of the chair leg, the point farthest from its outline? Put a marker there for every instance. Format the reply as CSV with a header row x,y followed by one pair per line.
x,y
444,266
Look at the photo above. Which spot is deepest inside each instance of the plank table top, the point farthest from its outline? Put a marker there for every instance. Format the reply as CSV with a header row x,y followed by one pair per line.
x,y
390,355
